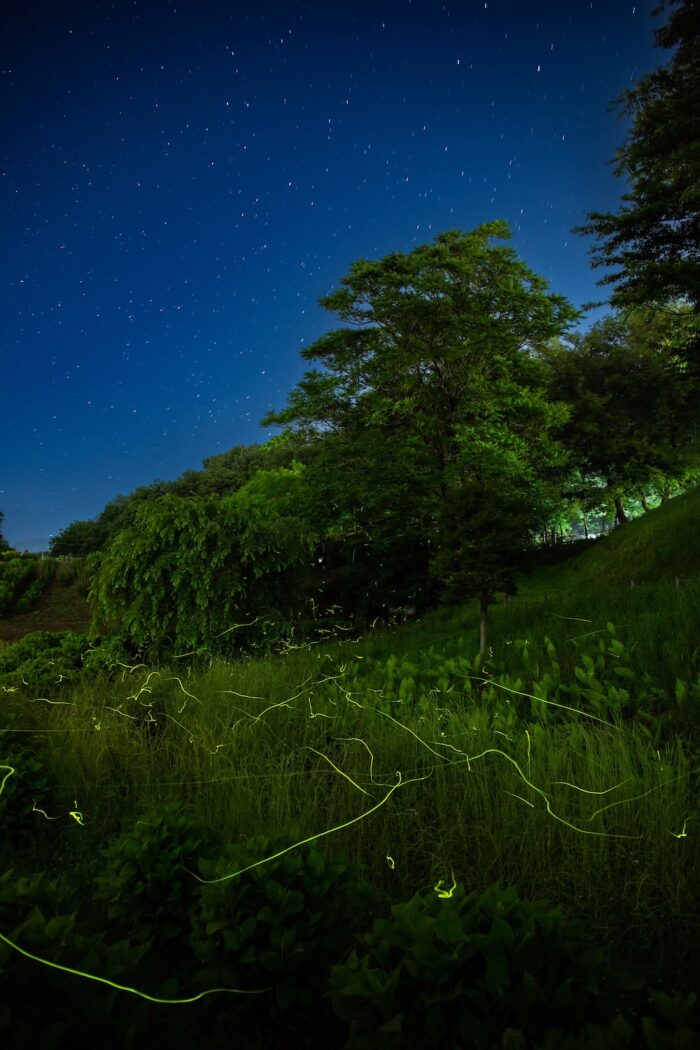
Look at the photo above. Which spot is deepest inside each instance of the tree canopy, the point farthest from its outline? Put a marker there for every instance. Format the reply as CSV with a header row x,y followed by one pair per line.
x,y
632,404
220,475
430,393
191,570
653,239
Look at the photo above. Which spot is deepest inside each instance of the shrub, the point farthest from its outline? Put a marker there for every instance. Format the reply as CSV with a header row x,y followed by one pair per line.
x,y
43,660
24,786
147,890
282,923
459,971
16,574
47,1008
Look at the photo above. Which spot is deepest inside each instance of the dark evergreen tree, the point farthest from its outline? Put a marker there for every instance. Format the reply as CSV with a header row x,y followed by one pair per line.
x,y
4,545
653,240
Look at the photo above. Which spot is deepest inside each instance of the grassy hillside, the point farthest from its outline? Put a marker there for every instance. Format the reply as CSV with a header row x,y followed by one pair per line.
x,y
572,601
565,764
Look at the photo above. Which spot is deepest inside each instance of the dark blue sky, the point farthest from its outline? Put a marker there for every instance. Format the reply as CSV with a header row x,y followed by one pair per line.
x,y
182,181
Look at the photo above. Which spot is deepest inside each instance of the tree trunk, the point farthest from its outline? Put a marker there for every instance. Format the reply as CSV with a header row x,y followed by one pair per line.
x,y
620,515
645,505
585,525
666,494
483,624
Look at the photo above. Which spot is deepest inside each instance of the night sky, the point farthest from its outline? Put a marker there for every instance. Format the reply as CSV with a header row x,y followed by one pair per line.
x,y
182,181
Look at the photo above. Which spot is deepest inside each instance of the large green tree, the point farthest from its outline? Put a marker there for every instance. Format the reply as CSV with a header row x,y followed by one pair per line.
x,y
653,239
632,406
430,392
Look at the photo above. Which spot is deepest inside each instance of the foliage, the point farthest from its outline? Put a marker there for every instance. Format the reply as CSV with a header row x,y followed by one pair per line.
x,y
653,239
44,660
674,1023
106,656
145,884
25,577
281,923
486,528
78,539
432,386
193,570
19,583
651,550
374,513
24,786
455,969
602,679
39,1002
633,415
221,475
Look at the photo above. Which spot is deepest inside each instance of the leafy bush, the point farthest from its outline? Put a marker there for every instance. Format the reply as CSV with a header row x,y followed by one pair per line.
x,y
676,1025
281,923
47,1008
15,575
189,569
148,892
603,680
20,894
673,1024
29,597
457,971
43,661
24,786
107,656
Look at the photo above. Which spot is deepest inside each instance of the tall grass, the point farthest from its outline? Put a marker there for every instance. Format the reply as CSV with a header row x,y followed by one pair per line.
x,y
385,749
588,815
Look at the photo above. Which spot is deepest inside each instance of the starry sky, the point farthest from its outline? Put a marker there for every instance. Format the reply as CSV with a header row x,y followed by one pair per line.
x,y
182,180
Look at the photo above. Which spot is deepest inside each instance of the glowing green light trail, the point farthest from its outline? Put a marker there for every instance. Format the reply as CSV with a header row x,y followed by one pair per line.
x,y
319,835
541,700
346,775
126,987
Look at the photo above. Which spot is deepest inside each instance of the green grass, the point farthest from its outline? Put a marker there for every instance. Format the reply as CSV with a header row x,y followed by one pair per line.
x,y
494,785
653,549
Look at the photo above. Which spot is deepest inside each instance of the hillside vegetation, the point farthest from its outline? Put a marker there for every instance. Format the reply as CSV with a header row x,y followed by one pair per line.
x,y
656,548
562,763
351,752
42,594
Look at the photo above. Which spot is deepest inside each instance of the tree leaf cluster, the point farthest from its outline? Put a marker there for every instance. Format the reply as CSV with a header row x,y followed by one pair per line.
x,y
653,239
192,568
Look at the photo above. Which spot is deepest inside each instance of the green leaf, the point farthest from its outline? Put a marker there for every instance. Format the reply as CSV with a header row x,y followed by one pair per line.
x,y
394,1026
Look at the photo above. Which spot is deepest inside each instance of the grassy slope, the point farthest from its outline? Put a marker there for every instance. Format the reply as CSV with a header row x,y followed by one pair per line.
x,y
572,601
654,548
62,606
266,775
